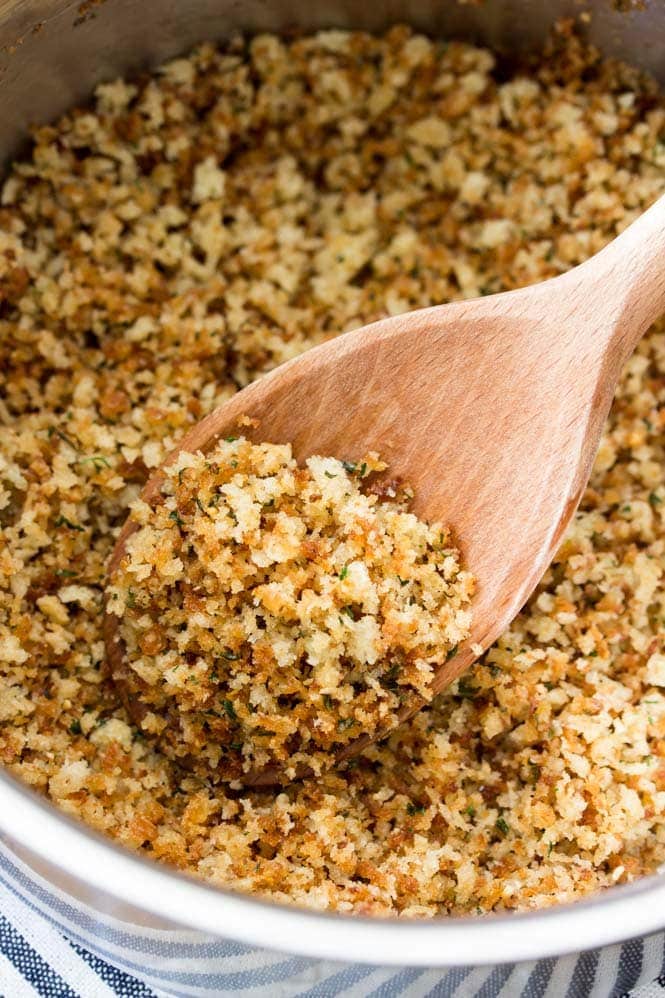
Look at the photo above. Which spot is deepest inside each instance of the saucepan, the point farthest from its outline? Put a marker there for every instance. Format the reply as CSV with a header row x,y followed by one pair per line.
x,y
52,54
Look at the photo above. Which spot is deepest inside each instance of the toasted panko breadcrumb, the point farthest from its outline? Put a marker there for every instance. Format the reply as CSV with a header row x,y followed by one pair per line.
x,y
195,227
270,614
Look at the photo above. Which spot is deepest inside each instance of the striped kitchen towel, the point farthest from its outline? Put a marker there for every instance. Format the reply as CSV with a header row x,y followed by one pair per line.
x,y
55,947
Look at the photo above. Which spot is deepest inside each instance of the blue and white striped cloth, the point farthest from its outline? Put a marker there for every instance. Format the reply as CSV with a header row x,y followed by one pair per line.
x,y
55,947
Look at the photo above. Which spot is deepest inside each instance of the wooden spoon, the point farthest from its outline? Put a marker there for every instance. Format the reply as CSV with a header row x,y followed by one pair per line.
x,y
491,409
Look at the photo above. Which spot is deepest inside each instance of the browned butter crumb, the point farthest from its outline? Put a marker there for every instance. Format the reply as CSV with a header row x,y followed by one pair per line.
x,y
192,229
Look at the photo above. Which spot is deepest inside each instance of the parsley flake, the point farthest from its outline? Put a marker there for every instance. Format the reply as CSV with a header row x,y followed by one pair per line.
x,y
62,521
98,460
230,709
412,808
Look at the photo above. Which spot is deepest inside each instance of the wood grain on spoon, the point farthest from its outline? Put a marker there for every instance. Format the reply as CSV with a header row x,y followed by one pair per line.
x,y
492,409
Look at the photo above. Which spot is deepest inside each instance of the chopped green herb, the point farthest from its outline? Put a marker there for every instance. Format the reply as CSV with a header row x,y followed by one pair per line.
x,y
329,474
345,571
344,723
75,727
412,808
654,499
62,521
465,690
231,656
175,516
98,460
502,825
66,573
53,430
471,811
230,709
390,678
230,440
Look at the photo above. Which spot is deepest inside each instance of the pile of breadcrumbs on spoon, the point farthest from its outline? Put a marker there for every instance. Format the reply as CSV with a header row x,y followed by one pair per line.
x,y
269,614
188,231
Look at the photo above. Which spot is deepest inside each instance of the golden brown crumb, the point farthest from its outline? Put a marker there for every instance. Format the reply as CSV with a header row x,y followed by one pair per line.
x,y
194,228
270,614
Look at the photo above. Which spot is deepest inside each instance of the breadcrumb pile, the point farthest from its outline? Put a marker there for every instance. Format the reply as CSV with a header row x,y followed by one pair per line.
x,y
192,229
267,615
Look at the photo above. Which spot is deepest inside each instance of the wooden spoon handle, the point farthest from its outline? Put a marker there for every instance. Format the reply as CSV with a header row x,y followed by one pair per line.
x,y
628,280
